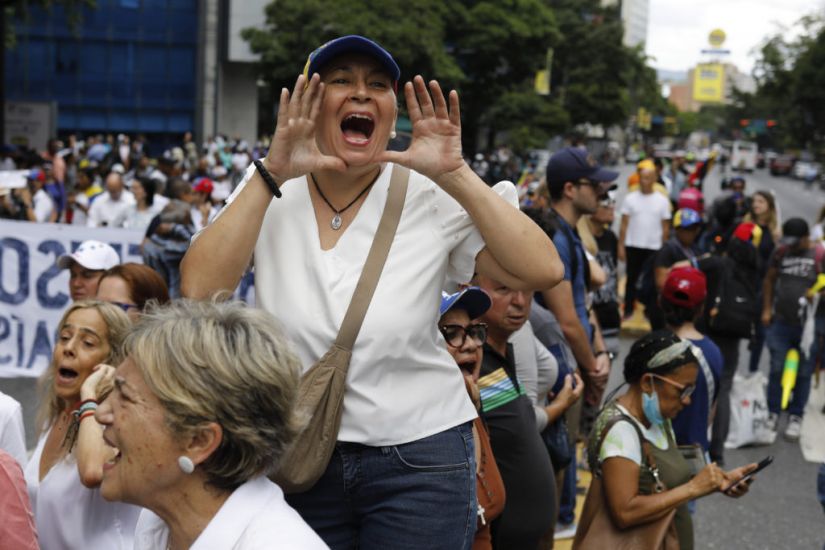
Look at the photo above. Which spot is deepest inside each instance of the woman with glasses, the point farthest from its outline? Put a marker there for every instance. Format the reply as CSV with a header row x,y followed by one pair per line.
x,y
465,337
661,372
131,287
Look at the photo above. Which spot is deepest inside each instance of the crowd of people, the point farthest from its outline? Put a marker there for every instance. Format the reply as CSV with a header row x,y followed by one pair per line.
x,y
458,347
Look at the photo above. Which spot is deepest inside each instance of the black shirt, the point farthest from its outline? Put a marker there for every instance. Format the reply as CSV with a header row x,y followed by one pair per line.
x,y
520,454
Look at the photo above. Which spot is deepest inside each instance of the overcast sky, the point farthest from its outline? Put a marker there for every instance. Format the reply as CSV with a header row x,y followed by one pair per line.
x,y
678,29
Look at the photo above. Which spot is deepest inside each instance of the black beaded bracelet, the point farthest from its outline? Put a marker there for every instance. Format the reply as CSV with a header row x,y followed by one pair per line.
x,y
267,177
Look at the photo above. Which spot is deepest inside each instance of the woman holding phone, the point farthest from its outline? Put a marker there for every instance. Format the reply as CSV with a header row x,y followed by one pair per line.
x,y
661,371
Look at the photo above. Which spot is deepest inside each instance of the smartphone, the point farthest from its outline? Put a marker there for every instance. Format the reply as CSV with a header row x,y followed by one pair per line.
x,y
759,467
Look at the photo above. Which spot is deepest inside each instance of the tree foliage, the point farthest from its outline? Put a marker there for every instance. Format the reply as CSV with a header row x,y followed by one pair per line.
x,y
790,87
19,9
488,50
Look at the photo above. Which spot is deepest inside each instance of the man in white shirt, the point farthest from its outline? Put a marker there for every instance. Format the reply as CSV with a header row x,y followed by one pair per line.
x,y
110,207
645,227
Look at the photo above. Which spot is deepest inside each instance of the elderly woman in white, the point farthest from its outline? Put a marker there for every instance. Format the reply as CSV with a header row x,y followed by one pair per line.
x,y
200,413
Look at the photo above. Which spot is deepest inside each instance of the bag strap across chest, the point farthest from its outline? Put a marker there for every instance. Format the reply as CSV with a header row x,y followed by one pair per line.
x,y
377,257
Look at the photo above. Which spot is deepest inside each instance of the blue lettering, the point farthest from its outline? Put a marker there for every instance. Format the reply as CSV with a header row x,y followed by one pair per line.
x,y
22,292
5,331
59,300
41,345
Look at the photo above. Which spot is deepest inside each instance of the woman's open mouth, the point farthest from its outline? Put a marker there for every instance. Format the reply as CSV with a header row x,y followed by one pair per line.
x,y
357,128
66,376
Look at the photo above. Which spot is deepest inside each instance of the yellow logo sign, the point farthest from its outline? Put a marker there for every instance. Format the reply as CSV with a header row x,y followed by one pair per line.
x,y
717,37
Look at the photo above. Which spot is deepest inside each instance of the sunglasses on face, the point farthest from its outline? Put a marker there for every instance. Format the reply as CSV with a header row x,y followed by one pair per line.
x,y
124,307
456,335
685,391
607,203
591,183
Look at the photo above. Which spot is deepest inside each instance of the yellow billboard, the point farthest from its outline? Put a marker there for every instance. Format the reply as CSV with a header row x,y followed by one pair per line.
x,y
709,83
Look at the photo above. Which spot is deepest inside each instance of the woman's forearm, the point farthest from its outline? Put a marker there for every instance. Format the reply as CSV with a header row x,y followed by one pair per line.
x,y
641,509
518,245
218,258
91,452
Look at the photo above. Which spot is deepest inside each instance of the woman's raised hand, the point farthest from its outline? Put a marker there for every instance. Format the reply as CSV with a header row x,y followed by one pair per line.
x,y
97,383
436,142
293,151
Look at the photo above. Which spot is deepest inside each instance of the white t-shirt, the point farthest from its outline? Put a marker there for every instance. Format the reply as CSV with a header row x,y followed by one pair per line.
x,y
12,433
69,515
254,517
645,214
622,439
402,384
105,211
43,206
536,369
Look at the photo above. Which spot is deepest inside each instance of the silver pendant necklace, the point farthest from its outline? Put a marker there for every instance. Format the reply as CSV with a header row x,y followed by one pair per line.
x,y
337,222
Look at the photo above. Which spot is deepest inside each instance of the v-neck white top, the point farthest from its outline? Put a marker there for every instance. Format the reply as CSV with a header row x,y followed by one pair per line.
x,y
70,516
254,517
402,385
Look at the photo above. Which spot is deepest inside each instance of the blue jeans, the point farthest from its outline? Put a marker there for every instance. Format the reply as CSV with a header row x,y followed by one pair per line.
x,y
567,503
781,337
411,496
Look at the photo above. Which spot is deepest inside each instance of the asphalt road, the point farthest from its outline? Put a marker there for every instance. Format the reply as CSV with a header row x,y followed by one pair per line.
x,y
781,511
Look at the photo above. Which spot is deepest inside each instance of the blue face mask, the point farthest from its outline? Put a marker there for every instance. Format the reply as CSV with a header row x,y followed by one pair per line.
x,y
650,406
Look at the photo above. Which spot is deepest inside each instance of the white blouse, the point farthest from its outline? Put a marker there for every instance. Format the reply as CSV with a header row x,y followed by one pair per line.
x,y
254,517
402,385
70,516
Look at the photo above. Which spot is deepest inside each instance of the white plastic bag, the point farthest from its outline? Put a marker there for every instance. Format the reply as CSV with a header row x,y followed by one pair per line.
x,y
749,412
813,423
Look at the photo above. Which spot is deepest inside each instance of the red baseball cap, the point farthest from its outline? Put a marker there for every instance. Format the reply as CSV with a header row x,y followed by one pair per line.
x,y
685,286
203,185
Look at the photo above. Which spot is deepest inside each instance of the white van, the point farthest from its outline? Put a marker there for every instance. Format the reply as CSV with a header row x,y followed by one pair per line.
x,y
743,156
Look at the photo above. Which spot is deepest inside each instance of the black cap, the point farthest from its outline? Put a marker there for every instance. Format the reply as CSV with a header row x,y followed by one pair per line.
x,y
572,164
794,229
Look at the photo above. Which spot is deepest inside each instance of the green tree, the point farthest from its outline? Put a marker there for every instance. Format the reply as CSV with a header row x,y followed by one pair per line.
x,y
483,49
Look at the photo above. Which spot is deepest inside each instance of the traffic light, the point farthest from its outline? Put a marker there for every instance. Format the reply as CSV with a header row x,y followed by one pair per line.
x,y
770,123
744,122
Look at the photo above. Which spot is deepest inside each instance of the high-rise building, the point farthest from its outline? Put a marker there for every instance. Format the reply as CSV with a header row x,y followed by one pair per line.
x,y
153,67
634,15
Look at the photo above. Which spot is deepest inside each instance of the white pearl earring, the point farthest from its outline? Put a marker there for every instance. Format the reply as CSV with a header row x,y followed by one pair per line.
x,y
186,465
393,134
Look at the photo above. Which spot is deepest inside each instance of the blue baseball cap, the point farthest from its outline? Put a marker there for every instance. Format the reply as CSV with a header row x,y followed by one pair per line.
x,y
471,299
352,43
572,164
686,217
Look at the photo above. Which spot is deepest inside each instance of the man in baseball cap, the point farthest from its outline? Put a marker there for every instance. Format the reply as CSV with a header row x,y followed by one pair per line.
x,y
86,265
683,297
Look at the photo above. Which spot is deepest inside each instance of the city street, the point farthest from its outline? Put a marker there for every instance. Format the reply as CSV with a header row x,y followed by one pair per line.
x,y
781,511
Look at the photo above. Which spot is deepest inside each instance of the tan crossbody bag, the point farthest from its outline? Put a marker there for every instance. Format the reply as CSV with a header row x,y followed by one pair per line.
x,y
321,392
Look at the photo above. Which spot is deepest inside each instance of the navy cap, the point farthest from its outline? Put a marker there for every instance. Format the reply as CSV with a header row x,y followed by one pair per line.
x,y
472,299
351,44
572,164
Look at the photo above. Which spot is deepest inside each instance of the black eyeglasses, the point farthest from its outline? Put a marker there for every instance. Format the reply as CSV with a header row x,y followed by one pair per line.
x,y
456,335
591,183
124,307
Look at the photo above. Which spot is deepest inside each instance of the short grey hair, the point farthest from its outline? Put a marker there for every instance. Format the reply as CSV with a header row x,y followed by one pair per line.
x,y
226,363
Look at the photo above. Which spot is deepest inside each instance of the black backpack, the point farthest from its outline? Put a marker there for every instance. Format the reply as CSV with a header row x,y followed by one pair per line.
x,y
734,308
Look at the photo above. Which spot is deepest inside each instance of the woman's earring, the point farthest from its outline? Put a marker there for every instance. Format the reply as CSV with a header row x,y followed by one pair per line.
x,y
186,465
393,134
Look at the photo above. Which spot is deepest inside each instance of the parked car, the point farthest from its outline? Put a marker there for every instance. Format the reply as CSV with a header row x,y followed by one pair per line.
x,y
782,165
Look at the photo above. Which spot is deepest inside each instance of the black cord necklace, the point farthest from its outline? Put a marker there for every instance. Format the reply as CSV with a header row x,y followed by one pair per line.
x,y
336,222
